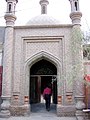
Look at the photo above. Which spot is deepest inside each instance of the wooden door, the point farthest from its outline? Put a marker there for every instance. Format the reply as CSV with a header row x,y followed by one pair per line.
x,y
34,89
54,89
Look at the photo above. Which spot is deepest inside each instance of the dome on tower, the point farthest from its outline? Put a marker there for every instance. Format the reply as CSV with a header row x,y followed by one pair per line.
x,y
43,19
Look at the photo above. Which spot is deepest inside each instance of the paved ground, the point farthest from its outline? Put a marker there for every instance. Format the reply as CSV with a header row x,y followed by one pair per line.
x,y
38,112
41,116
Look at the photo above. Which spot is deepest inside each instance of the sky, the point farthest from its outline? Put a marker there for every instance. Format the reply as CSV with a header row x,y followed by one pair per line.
x,y
59,9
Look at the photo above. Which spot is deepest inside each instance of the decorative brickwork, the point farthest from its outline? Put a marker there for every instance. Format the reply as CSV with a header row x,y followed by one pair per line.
x,y
66,111
20,110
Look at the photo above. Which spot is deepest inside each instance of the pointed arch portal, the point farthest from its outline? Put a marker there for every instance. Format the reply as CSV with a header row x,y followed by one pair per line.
x,y
42,72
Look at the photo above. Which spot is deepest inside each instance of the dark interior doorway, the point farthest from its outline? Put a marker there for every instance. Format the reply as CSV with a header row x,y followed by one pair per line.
x,y
45,80
41,74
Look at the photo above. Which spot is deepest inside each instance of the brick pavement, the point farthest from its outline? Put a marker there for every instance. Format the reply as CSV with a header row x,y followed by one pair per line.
x,y
41,116
38,112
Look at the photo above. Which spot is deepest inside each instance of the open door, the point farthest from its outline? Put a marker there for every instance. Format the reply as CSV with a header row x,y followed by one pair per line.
x,y
54,86
35,90
41,74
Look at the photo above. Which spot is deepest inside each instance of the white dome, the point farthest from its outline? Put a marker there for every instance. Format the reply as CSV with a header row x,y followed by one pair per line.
x,y
43,19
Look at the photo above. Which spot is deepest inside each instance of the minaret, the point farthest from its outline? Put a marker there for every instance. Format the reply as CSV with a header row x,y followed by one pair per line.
x,y
8,58
44,4
75,14
77,58
10,13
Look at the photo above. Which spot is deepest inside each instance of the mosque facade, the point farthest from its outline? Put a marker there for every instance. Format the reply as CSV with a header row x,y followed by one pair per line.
x,y
43,51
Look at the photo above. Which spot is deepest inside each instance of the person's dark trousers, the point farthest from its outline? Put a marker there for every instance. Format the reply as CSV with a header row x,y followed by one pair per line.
x,y
48,101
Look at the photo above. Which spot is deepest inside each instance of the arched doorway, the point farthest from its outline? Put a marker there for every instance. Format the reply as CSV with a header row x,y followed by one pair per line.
x,y
42,73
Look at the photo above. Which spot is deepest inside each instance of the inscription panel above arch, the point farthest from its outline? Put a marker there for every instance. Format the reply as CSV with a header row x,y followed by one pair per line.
x,y
51,45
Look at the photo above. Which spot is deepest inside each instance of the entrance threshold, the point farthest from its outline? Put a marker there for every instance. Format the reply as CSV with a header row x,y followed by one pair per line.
x,y
40,108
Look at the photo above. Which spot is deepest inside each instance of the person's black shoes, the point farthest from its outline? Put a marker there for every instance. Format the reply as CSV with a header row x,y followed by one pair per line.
x,y
48,109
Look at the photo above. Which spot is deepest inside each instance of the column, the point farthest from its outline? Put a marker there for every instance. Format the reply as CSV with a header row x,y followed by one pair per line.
x,y
78,71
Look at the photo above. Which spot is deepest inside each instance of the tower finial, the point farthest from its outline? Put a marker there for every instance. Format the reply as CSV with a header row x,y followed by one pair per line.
x,y
10,13
44,4
75,12
74,5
